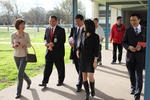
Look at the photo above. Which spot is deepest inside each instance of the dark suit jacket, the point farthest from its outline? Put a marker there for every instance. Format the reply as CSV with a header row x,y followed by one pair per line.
x,y
130,39
72,34
59,33
89,48
74,31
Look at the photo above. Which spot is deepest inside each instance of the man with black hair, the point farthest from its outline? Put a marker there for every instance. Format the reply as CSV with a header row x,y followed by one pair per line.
x,y
116,36
74,41
55,51
134,42
99,30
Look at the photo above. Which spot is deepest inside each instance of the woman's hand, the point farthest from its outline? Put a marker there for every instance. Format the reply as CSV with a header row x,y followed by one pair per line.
x,y
22,44
77,53
95,64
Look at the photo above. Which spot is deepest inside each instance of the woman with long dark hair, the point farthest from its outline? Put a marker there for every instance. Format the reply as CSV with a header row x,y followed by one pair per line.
x,y
88,52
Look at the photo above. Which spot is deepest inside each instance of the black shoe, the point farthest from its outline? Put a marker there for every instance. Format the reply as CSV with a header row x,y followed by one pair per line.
x,y
113,62
59,84
43,84
28,86
18,96
78,89
132,91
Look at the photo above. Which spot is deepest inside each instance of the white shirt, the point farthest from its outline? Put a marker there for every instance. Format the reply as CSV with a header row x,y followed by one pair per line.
x,y
53,28
139,28
99,30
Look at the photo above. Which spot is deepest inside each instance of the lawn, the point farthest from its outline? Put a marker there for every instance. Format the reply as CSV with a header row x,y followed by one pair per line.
x,y
8,70
35,36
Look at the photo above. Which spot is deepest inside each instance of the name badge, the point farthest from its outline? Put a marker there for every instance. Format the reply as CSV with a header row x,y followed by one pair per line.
x,y
55,40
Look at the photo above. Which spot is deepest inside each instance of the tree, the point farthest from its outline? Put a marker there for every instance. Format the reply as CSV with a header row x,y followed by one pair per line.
x,y
10,10
35,15
64,11
6,10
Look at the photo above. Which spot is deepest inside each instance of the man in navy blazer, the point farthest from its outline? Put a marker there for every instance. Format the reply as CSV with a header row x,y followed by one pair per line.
x,y
54,41
135,57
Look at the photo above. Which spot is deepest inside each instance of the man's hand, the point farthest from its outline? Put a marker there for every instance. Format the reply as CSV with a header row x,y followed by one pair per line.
x,y
46,44
71,44
102,40
110,41
132,49
138,48
51,44
77,53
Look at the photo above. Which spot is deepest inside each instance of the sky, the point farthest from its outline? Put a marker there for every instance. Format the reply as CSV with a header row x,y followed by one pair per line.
x,y
25,5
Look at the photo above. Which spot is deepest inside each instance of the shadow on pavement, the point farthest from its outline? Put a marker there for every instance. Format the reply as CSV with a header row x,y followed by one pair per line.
x,y
113,73
79,96
124,72
104,96
23,98
35,94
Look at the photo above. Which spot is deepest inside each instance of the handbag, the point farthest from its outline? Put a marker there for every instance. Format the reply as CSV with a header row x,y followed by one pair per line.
x,y
31,57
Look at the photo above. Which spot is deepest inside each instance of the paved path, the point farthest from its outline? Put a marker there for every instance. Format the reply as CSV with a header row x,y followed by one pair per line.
x,y
112,83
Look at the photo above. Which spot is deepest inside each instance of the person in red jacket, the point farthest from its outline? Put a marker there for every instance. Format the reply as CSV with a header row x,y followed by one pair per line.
x,y
116,36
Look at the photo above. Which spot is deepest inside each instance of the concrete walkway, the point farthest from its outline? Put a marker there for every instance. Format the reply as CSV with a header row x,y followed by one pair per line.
x,y
112,83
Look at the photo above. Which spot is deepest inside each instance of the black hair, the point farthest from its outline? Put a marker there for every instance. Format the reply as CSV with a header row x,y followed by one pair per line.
x,y
96,19
79,16
90,26
119,17
137,15
18,22
53,16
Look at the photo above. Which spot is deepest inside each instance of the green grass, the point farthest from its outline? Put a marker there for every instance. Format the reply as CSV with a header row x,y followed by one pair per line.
x,y
8,69
34,35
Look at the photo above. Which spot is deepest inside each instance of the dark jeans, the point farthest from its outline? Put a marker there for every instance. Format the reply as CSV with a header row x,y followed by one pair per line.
x,y
115,46
100,53
76,61
21,64
136,77
51,59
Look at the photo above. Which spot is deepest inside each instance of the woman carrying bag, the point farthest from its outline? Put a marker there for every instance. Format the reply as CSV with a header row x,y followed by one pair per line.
x,y
88,53
20,40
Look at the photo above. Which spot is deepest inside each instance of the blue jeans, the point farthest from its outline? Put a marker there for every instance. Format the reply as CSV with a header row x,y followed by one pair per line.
x,y
21,64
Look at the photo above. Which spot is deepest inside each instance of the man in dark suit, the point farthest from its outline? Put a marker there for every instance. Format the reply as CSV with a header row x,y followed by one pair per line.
x,y
75,35
55,52
135,57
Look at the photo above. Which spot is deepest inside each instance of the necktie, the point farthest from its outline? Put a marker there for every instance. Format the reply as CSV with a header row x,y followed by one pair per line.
x,y
136,31
51,34
77,35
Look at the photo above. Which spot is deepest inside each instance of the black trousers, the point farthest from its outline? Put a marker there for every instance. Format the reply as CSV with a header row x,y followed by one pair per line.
x,y
135,70
100,53
76,61
115,46
51,59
